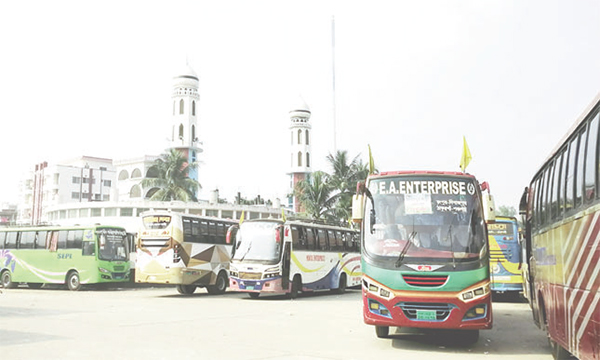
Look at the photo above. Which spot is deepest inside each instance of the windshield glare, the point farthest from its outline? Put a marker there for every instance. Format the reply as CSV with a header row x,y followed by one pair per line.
x,y
258,242
112,244
440,219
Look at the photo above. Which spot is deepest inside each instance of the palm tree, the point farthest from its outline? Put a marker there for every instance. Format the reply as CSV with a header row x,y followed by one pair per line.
x,y
343,180
315,195
172,179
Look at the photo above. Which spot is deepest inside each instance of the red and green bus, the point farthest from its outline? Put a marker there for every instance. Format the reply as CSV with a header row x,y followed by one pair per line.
x,y
561,208
425,256
73,256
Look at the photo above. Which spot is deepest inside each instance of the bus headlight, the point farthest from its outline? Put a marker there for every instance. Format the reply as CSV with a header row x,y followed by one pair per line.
x,y
377,290
475,293
271,275
103,270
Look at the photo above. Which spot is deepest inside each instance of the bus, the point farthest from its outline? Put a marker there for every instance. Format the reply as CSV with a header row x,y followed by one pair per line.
x,y
73,256
185,250
425,257
505,256
289,257
561,209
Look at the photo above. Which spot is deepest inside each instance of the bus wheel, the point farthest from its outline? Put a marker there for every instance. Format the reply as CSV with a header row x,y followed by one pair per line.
x,y
35,285
342,285
7,280
296,287
73,281
558,352
186,289
254,295
382,331
220,286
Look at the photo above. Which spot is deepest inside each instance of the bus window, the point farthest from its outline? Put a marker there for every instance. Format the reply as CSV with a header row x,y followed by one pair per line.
x,y
52,240
563,176
74,239
187,229
554,209
310,236
298,238
11,240
570,179
590,161
580,164
89,248
203,231
40,240
2,238
27,240
62,239
322,240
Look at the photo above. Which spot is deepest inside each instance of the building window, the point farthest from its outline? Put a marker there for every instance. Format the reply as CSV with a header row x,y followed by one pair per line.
x,y
181,106
123,175
307,160
307,138
108,183
299,137
135,192
136,173
193,108
76,180
299,158
193,132
96,212
110,212
181,131
173,107
75,195
106,197
126,211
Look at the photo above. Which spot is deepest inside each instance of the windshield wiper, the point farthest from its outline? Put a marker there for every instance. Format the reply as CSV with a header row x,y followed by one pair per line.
x,y
246,253
411,236
452,246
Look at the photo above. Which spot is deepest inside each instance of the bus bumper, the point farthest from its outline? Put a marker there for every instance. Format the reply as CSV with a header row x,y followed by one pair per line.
x,y
272,285
425,309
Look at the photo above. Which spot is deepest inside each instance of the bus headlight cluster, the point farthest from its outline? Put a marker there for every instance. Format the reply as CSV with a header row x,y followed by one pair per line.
x,y
476,312
476,293
103,270
377,289
271,275
233,273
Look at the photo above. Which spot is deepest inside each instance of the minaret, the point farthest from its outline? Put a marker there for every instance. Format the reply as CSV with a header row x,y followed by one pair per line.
x,y
185,131
300,149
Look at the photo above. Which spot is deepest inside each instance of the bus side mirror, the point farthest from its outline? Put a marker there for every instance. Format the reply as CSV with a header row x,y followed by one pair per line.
x,y
489,208
231,235
358,208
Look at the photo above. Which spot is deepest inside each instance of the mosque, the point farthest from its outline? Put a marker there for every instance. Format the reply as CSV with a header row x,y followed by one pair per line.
x,y
97,190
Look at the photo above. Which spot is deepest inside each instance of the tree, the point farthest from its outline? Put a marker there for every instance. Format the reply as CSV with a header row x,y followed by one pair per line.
x,y
343,180
172,180
315,195
504,210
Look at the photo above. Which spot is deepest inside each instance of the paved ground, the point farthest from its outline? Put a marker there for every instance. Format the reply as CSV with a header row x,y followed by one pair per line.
x,y
158,323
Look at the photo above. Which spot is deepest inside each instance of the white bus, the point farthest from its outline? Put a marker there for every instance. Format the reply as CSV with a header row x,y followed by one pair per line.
x,y
186,250
277,257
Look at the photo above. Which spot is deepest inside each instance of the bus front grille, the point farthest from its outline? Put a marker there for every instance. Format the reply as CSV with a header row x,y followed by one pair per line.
x,y
250,275
497,255
425,280
155,243
411,310
119,268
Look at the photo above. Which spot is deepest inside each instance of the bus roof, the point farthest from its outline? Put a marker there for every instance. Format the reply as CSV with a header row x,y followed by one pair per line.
x,y
423,172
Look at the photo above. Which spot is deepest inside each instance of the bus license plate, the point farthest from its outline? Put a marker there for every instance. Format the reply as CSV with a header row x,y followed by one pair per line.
x,y
426,315
249,287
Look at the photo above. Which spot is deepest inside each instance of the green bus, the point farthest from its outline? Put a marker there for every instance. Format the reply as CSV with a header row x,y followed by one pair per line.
x,y
73,256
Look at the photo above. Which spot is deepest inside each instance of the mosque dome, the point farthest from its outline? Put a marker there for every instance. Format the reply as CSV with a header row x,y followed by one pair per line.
x,y
300,111
186,77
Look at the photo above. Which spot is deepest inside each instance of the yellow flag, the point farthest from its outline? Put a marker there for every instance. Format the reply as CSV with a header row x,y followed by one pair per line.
x,y
371,162
282,215
465,159
242,218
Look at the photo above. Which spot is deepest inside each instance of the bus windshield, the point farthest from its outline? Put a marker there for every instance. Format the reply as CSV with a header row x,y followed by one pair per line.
x,y
258,242
425,218
112,244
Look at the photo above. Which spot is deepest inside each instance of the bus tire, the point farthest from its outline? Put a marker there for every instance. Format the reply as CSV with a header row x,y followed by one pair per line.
x,y
382,332
342,284
186,289
220,285
296,287
73,282
35,285
558,352
7,280
254,295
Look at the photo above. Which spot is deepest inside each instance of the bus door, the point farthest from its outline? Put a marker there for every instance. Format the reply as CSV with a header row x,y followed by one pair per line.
x,y
285,266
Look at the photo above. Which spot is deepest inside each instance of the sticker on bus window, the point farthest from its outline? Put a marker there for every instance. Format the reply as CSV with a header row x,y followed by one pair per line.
x,y
417,204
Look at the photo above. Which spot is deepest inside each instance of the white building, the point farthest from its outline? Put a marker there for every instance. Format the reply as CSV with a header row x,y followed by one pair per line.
x,y
95,190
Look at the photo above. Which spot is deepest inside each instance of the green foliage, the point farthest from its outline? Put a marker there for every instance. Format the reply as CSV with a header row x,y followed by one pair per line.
x,y
329,196
172,181
504,210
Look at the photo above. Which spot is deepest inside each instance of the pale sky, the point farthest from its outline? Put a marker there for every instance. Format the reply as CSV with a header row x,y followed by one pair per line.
x,y
411,78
